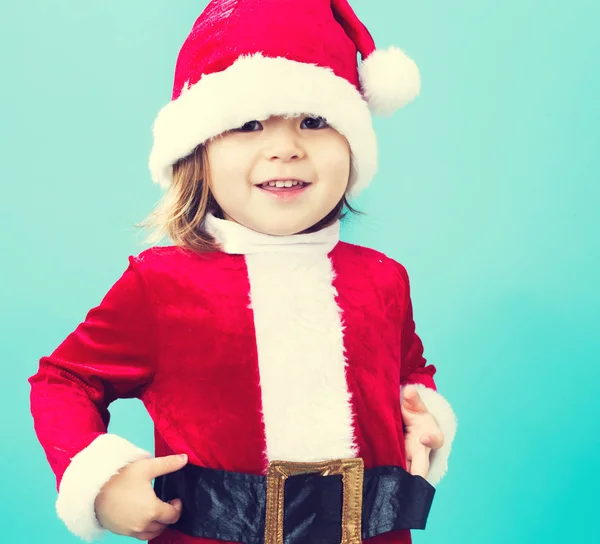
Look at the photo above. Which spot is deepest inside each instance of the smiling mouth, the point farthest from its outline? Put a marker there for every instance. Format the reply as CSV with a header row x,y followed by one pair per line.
x,y
283,185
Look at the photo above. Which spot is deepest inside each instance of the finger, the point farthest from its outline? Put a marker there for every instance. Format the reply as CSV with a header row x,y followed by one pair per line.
x,y
432,440
177,503
420,463
412,400
168,513
163,465
154,527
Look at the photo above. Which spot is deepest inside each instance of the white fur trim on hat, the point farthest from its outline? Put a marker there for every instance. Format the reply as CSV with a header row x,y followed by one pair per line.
x,y
255,87
85,476
389,80
446,419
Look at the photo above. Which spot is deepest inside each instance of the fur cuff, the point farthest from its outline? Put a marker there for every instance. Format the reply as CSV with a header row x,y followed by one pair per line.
x,y
85,476
446,420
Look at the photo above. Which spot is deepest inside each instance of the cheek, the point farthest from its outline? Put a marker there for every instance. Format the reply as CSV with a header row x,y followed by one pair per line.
x,y
227,169
334,165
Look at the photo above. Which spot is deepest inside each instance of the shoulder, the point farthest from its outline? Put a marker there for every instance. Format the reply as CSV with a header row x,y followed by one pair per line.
x,y
158,257
372,261
174,264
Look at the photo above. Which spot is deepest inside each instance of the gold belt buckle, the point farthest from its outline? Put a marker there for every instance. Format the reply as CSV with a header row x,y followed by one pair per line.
x,y
352,471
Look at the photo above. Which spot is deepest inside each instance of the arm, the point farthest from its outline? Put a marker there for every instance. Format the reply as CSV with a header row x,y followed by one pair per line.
x,y
110,355
414,370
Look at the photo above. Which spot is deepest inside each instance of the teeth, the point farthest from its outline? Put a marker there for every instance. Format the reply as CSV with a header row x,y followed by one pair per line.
x,y
281,184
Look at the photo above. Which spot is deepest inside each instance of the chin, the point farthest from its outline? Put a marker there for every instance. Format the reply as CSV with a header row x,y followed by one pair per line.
x,y
276,224
282,231
283,228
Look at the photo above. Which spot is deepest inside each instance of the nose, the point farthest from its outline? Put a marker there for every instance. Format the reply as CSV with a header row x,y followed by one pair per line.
x,y
284,145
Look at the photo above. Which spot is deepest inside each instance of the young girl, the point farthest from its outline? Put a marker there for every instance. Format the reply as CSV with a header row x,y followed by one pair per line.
x,y
280,366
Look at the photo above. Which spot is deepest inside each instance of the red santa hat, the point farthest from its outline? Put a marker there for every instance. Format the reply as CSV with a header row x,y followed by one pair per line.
x,y
250,59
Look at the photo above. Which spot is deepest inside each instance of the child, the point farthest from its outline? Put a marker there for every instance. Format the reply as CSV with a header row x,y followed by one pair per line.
x,y
274,357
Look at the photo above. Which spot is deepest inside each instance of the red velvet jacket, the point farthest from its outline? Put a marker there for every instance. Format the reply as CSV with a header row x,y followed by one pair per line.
x,y
199,339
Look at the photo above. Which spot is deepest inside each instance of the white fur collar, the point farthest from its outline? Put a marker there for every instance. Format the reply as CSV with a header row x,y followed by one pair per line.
x,y
240,240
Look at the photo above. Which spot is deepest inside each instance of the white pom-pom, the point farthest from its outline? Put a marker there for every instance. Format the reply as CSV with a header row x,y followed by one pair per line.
x,y
389,80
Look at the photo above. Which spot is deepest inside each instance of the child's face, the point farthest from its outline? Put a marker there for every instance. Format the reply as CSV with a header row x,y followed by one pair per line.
x,y
303,148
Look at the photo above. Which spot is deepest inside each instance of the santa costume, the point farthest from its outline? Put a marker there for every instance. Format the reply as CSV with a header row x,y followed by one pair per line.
x,y
277,363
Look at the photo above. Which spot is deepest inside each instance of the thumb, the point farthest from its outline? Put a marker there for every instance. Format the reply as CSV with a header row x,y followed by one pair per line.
x,y
165,465
168,512
420,463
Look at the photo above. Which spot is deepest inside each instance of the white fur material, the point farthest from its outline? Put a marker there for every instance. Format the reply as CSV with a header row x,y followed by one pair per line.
x,y
255,87
306,403
237,239
446,419
389,80
85,476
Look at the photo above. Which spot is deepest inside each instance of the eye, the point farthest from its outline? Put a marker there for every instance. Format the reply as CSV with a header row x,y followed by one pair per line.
x,y
250,126
314,123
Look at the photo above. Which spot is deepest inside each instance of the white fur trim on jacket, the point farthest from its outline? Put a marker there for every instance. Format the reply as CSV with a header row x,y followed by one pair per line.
x,y
255,87
446,419
85,476
300,341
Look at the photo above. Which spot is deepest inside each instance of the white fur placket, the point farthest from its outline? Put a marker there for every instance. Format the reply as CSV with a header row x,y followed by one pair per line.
x,y
306,402
299,336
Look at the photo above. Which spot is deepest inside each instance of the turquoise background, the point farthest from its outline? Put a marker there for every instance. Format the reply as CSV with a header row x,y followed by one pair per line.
x,y
488,193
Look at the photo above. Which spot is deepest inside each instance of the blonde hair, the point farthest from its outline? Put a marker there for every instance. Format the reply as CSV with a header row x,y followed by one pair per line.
x,y
181,212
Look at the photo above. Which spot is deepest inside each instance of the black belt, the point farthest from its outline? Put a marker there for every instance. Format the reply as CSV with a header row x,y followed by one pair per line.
x,y
232,506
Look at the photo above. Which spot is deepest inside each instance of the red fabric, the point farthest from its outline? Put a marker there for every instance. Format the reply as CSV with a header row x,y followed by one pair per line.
x,y
354,27
383,353
176,331
414,368
311,31
110,355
